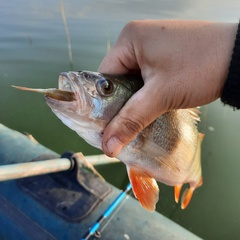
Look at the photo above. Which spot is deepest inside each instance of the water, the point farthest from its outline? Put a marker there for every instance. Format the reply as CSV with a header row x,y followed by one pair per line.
x,y
34,50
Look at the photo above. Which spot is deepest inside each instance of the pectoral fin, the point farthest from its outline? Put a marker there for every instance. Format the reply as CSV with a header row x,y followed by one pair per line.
x,y
159,154
145,187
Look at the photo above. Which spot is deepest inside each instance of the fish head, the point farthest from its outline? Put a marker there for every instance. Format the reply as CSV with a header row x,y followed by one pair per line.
x,y
98,98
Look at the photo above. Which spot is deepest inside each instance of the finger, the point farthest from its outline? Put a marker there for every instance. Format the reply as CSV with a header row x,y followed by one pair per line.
x,y
119,60
142,109
122,57
113,63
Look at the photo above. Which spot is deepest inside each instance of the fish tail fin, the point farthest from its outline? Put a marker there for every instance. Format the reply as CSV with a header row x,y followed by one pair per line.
x,y
145,187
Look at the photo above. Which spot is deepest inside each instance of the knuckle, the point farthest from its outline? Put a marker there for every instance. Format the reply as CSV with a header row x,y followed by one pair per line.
x,y
132,28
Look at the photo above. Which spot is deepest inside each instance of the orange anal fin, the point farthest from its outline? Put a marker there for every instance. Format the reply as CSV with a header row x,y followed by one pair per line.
x,y
145,187
186,197
177,190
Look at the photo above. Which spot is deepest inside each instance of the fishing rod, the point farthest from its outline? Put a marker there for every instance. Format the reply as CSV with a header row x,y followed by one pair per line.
x,y
94,228
30,169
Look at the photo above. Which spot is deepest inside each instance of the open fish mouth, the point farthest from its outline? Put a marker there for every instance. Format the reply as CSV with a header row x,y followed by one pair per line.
x,y
65,83
68,82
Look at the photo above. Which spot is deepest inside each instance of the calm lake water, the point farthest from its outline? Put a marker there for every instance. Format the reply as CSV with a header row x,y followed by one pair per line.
x,y
34,50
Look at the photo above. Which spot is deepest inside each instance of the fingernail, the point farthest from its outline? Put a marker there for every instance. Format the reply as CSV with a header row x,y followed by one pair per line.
x,y
114,146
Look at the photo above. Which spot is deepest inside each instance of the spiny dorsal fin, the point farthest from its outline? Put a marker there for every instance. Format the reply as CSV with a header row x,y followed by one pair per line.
x,y
194,112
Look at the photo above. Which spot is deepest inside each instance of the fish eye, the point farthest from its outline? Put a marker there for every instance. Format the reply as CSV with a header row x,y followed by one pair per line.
x,y
105,87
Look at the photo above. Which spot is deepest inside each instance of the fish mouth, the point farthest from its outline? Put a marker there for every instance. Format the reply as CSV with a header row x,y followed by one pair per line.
x,y
75,99
65,83
68,82
69,100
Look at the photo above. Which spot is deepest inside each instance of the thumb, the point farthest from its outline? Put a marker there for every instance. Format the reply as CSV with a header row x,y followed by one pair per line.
x,y
140,110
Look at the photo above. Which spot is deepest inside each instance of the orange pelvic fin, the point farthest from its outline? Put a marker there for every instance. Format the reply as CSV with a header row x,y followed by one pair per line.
x,y
145,187
177,190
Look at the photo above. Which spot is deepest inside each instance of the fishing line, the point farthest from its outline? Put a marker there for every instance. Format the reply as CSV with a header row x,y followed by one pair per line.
x,y
107,214
108,221
67,34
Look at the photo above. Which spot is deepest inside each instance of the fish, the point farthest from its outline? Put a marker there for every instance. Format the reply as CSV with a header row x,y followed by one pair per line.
x,y
166,151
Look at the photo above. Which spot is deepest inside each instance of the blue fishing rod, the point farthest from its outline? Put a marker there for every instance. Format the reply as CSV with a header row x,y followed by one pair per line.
x,y
106,214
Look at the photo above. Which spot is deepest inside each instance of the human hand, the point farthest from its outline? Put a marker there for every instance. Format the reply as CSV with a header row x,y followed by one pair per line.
x,y
184,64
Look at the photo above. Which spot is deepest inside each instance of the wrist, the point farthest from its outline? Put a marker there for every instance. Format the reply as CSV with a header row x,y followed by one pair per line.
x,y
231,89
